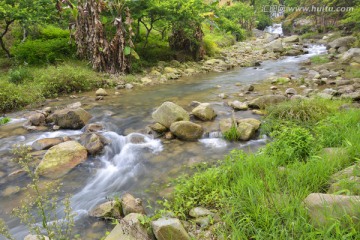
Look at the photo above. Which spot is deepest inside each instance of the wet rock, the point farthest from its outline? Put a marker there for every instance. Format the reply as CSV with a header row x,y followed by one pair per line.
x,y
99,98
313,74
200,212
71,118
56,127
273,88
146,80
248,88
169,228
355,96
120,86
10,190
352,55
130,204
204,112
169,113
267,100
186,130
111,209
291,39
324,95
324,209
256,123
275,46
195,104
101,92
94,127
226,124
74,105
61,159
330,91
290,92
240,106
223,96
36,237
129,86
169,136
37,119
342,42
129,228
46,143
157,127
246,131
258,112
92,142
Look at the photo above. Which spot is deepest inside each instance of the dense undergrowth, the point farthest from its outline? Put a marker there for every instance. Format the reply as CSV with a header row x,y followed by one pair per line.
x,y
260,195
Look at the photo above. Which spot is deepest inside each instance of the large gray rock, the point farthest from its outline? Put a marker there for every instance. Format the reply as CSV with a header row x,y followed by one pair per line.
x,y
245,131
130,204
267,100
186,130
129,228
342,42
169,113
92,142
275,46
352,55
256,123
61,159
204,112
291,39
169,229
71,118
46,143
200,212
101,92
111,209
325,208
37,119
226,124
240,106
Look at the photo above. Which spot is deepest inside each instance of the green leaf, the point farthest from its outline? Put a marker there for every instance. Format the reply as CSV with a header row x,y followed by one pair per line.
x,y
127,50
135,54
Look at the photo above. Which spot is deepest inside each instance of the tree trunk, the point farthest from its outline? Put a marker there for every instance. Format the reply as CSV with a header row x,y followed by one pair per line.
x,y
2,35
91,41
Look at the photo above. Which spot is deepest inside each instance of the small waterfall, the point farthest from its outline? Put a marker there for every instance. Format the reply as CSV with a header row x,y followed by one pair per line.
x,y
122,166
214,140
275,29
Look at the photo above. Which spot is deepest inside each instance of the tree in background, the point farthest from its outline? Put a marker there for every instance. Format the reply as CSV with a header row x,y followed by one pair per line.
x,y
26,12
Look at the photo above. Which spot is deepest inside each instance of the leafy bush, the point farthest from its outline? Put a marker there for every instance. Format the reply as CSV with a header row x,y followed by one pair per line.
x,y
211,47
44,51
18,75
291,144
4,120
52,32
263,21
17,96
67,79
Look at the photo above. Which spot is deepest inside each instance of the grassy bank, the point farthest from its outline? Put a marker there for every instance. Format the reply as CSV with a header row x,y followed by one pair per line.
x,y
260,195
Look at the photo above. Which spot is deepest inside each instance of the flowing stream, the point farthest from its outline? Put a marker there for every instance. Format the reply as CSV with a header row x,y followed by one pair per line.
x,y
134,162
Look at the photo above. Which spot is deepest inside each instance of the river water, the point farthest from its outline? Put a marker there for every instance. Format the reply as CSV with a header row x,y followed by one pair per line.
x,y
142,167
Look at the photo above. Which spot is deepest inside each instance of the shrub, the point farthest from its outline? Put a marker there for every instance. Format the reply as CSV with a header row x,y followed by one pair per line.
x,y
232,134
210,46
4,120
14,97
67,79
52,32
263,21
291,144
18,75
44,51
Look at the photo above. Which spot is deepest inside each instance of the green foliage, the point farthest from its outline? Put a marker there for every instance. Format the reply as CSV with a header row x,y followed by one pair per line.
x,y
211,47
260,196
352,72
321,59
65,79
352,18
4,120
44,51
18,75
309,35
232,134
263,21
52,32
291,144
44,200
14,97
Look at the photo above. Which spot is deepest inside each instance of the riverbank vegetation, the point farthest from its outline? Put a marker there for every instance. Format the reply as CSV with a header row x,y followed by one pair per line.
x,y
260,195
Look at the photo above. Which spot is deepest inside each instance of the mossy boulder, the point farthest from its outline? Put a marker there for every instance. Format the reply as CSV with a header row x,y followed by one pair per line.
x,y
169,113
267,100
245,131
169,228
61,159
186,130
71,118
110,209
204,112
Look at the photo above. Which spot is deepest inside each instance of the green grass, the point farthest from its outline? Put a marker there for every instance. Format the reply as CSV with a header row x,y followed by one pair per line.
x,y
24,85
232,134
4,120
260,196
309,35
352,72
321,59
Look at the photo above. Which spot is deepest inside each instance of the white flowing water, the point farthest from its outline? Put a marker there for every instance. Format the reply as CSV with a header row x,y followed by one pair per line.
x,y
276,28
